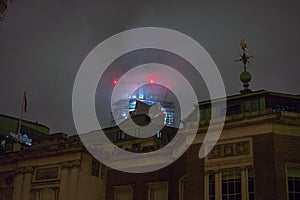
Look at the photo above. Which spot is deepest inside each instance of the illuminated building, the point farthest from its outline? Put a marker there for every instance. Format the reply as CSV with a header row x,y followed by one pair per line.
x,y
151,94
257,157
58,167
32,131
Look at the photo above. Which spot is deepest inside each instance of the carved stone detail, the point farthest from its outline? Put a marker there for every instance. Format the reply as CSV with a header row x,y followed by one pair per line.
x,y
28,169
70,164
46,173
230,149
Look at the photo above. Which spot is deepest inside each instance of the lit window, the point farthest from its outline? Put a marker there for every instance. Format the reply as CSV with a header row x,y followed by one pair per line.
x,y
182,188
159,134
3,144
123,192
158,190
293,182
120,135
95,170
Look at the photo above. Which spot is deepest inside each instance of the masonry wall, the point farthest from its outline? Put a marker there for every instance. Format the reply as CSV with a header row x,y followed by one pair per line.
x,y
195,174
172,173
286,151
264,174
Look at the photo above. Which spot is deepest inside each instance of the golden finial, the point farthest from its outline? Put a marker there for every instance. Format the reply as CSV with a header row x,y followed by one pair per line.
x,y
243,45
244,58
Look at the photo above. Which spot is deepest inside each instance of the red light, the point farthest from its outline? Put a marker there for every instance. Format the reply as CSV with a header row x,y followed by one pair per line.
x,y
115,82
151,81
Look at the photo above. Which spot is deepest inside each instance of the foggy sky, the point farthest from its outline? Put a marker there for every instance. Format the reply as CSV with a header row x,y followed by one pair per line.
x,y
43,43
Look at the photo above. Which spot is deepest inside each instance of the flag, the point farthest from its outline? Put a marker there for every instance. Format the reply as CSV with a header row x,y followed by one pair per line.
x,y
25,102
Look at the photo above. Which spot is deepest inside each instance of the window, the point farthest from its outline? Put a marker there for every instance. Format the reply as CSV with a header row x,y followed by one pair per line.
x,y
158,191
231,184
182,188
50,193
159,134
293,182
120,135
289,108
233,110
3,145
211,186
228,184
136,147
123,192
251,184
95,170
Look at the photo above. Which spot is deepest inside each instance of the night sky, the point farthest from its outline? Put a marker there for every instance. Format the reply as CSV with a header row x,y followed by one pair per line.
x,y
43,43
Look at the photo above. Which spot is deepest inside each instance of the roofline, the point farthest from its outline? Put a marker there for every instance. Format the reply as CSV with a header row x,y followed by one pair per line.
x,y
24,120
258,92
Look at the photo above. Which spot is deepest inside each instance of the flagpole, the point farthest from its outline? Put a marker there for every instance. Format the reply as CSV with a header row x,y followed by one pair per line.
x,y
21,117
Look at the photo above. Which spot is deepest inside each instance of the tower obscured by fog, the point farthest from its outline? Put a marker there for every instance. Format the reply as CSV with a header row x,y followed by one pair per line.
x,y
151,94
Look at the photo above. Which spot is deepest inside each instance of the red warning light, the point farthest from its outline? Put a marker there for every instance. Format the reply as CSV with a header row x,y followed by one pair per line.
x,y
151,81
115,82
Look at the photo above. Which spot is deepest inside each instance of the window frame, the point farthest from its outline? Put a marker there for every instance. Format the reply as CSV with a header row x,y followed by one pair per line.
x,y
156,185
95,170
121,188
289,165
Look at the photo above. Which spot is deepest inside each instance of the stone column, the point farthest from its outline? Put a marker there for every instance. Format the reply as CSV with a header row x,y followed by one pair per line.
x,y
218,185
26,183
18,181
64,183
244,182
74,173
206,185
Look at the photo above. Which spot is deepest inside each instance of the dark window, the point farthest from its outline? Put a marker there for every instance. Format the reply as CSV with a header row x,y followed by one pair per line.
x,y
251,184
95,168
135,146
293,178
120,135
233,110
231,184
211,186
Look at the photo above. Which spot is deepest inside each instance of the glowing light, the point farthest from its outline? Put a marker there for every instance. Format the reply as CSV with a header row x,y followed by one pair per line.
x,y
115,82
151,81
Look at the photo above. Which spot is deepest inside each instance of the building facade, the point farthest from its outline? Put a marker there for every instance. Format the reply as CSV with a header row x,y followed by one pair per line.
x,y
256,157
57,168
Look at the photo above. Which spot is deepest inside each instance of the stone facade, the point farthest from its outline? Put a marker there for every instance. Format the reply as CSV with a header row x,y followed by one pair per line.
x,y
54,171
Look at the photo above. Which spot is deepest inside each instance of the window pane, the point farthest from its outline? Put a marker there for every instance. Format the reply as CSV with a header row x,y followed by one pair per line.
x,y
251,196
297,184
251,183
211,186
238,187
238,197
159,193
293,181
231,184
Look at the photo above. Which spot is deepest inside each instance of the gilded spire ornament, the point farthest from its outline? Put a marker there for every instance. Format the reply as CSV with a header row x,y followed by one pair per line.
x,y
245,76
